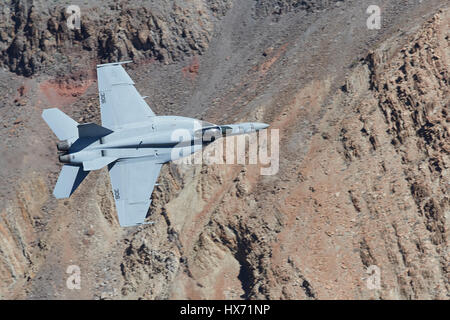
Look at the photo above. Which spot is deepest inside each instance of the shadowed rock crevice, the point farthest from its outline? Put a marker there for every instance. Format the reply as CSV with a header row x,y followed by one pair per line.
x,y
245,273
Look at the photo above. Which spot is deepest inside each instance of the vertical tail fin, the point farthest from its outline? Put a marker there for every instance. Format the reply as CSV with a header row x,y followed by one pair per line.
x,y
61,124
68,181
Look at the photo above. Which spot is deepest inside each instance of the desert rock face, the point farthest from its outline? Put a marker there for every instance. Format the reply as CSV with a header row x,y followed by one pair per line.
x,y
35,35
363,180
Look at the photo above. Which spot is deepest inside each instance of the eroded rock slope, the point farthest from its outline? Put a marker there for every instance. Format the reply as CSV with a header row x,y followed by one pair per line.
x,y
363,174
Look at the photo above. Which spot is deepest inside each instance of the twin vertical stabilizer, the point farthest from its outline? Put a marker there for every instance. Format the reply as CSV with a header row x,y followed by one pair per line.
x,y
61,124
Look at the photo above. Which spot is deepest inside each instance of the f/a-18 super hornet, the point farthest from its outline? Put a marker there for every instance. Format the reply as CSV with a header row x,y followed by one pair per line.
x,y
133,142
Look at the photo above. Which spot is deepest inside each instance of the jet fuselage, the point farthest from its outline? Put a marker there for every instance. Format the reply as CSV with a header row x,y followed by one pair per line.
x,y
161,138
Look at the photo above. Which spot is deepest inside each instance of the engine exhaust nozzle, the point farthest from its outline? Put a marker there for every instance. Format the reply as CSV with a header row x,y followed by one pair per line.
x,y
64,158
63,145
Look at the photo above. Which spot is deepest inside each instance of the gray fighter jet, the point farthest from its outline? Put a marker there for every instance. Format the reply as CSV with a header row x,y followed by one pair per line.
x,y
133,142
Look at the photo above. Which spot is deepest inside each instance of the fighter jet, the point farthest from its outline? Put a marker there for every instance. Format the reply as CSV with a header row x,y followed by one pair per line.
x,y
132,141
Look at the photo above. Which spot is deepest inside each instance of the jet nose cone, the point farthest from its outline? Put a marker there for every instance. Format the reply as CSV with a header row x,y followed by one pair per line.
x,y
260,126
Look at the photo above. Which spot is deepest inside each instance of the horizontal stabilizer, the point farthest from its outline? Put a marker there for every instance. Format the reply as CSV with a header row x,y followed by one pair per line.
x,y
92,130
68,181
61,124
97,163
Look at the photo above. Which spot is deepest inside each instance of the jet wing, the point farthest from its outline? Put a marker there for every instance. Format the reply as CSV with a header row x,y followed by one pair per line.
x,y
132,183
120,103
